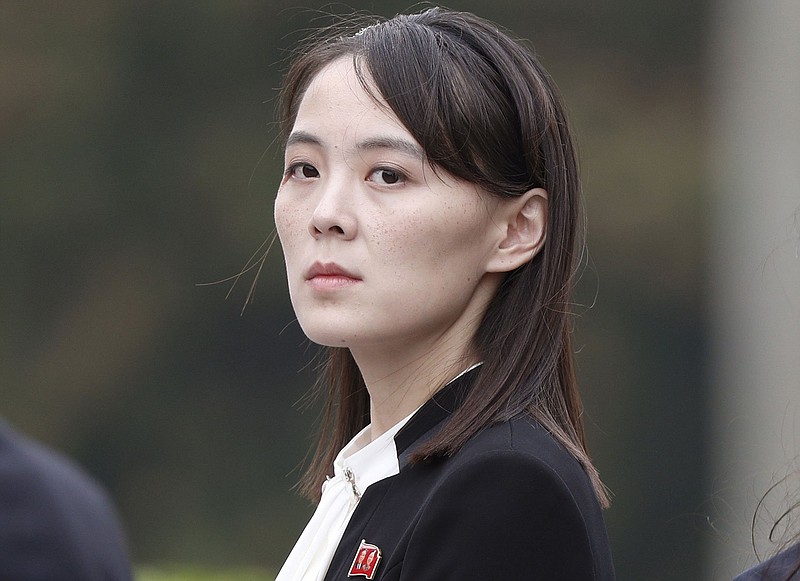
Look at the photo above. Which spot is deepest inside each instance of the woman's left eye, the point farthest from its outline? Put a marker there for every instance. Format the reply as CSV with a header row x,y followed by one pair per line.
x,y
387,177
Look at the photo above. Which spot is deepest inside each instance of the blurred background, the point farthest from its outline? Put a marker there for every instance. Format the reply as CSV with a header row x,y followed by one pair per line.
x,y
138,162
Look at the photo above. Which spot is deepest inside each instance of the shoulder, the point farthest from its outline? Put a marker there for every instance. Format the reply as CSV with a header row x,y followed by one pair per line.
x,y
513,494
47,498
785,566
525,437
37,472
523,445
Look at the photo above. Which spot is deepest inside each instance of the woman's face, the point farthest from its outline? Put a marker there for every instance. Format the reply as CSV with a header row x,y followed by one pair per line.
x,y
381,252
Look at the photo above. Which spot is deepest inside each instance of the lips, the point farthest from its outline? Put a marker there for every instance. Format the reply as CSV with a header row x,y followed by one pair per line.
x,y
319,269
329,275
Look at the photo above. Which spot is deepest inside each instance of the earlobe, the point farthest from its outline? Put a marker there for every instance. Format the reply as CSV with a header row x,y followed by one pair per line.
x,y
524,221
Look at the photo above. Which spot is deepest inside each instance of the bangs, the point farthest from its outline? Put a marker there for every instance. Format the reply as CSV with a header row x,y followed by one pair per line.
x,y
449,97
476,119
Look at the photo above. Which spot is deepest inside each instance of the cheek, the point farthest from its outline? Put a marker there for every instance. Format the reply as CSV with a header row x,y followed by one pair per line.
x,y
288,221
405,242
423,238
291,228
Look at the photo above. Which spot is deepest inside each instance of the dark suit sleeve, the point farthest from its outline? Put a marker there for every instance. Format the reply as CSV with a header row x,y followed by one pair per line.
x,y
503,515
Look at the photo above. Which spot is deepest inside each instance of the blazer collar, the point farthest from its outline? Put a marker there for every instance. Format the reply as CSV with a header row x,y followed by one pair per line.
x,y
431,415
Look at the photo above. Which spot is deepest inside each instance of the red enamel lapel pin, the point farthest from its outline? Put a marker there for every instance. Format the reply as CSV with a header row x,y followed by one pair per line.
x,y
365,563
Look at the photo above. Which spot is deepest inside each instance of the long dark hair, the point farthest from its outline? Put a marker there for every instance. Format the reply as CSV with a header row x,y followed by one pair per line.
x,y
484,110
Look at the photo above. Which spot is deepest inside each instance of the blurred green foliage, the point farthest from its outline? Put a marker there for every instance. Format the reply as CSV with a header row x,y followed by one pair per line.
x,y
137,160
178,573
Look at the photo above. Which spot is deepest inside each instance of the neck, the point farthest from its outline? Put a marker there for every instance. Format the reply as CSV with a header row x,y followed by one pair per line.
x,y
403,374
398,385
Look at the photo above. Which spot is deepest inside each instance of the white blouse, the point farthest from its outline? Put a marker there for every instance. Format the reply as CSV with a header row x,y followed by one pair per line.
x,y
360,464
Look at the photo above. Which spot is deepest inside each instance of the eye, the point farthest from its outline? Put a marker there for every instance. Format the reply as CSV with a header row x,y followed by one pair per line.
x,y
386,177
302,171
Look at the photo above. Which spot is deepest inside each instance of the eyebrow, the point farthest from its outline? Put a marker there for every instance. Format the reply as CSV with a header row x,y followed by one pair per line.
x,y
297,137
378,142
398,144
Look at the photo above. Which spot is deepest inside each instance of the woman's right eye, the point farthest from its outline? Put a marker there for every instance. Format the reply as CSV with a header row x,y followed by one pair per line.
x,y
302,171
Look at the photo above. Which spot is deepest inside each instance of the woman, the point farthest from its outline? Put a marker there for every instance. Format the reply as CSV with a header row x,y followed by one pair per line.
x,y
428,216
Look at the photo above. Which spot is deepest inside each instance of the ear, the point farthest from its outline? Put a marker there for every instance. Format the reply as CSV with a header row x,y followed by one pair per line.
x,y
523,220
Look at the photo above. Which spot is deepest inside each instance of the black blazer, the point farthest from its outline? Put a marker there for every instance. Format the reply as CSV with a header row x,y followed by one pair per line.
x,y
55,523
511,504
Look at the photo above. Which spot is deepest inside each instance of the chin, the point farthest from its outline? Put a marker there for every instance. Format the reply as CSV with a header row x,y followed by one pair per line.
x,y
325,335
329,342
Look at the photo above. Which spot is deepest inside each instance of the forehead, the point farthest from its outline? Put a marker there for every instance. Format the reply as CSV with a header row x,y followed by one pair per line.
x,y
338,76
336,100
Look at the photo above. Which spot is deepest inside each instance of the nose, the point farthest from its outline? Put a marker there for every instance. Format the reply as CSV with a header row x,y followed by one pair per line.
x,y
333,214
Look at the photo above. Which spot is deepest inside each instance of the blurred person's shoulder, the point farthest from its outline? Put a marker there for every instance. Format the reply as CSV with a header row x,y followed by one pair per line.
x,y
56,522
785,566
